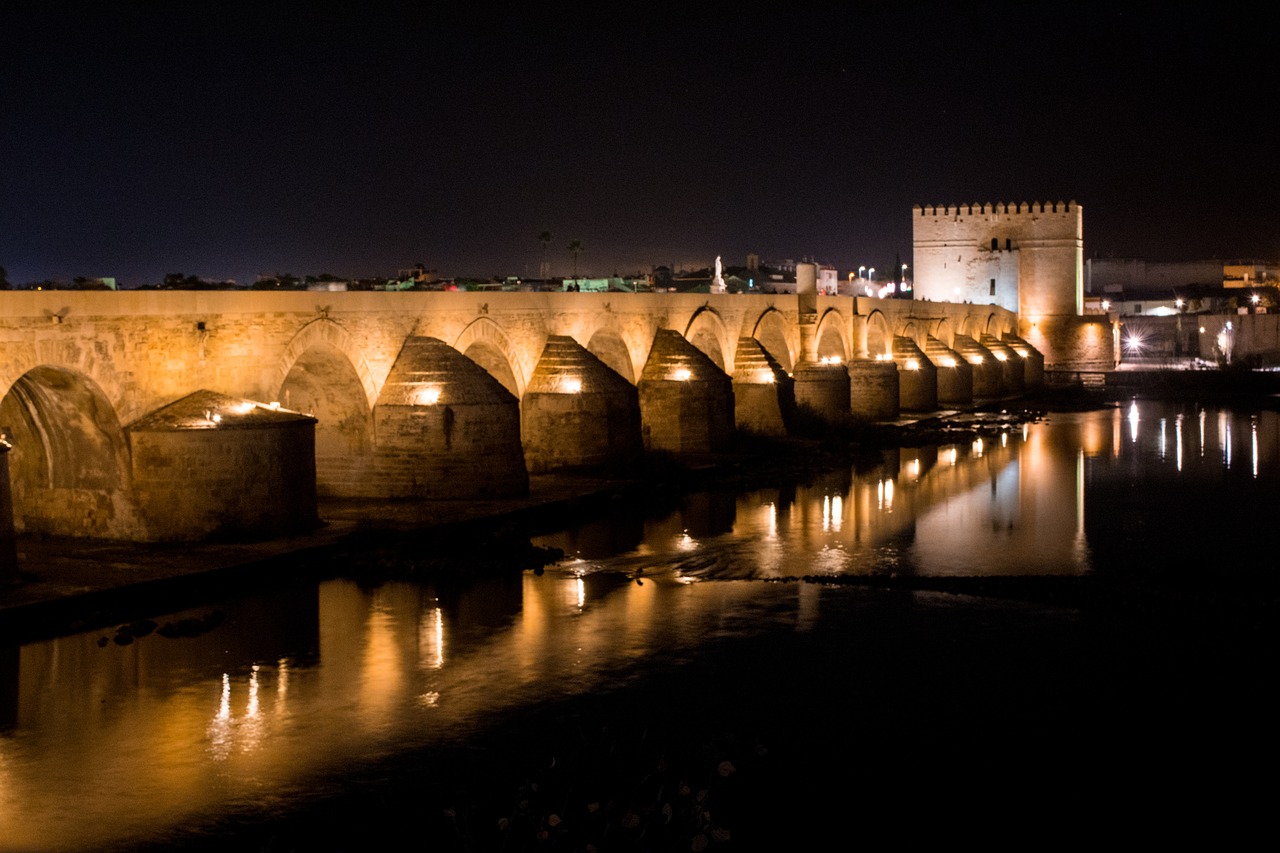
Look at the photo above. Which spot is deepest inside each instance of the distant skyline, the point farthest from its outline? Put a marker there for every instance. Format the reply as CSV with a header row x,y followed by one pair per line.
x,y
136,142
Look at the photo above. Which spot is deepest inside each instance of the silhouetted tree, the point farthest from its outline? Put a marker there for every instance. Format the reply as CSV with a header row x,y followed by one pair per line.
x,y
576,248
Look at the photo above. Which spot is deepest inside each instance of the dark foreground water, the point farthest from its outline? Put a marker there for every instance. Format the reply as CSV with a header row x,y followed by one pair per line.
x,y
670,685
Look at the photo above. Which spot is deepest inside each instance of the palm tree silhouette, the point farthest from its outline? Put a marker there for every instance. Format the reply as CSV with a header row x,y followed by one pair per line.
x,y
545,238
576,248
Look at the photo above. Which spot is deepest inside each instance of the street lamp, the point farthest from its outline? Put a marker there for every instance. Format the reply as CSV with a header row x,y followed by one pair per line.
x,y
860,271
871,273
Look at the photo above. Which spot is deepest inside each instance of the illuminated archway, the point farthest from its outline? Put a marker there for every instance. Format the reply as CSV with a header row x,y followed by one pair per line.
x,y
485,343
69,466
608,346
830,337
323,384
771,333
879,336
706,331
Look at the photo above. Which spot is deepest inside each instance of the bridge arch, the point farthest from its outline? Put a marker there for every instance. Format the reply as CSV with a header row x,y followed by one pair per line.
x,y
771,331
330,337
944,331
707,332
70,463
830,336
484,342
610,346
879,343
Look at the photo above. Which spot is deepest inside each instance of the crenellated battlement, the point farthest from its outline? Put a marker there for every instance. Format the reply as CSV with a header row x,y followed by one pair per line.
x,y
999,207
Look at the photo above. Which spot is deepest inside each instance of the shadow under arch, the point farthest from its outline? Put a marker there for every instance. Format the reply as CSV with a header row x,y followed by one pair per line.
x,y
70,463
706,331
484,342
771,333
609,346
333,337
324,384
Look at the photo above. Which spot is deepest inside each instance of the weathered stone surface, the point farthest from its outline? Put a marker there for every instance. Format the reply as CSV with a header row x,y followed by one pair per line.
x,y
210,464
873,389
444,427
686,401
578,413
763,392
823,390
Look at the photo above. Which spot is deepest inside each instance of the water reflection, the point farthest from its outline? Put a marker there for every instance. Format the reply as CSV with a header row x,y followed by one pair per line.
x,y
110,742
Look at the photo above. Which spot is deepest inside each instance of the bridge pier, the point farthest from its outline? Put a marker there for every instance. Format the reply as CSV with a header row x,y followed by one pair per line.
x,y
988,375
874,389
918,377
443,427
1032,362
763,393
1014,373
955,375
576,412
686,401
823,389
212,464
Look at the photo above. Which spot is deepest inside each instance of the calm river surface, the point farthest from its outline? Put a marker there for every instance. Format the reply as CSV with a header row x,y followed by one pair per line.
x,y
109,745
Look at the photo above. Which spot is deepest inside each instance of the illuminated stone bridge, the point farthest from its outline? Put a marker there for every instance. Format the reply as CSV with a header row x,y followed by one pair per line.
x,y
152,415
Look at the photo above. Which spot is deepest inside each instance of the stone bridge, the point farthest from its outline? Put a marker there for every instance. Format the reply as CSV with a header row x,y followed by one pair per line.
x,y
153,415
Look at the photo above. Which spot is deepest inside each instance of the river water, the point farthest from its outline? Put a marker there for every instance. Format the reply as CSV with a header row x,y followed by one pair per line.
x,y
670,606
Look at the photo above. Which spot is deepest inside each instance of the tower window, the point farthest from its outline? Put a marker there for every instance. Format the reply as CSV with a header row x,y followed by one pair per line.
x,y
993,287
1008,244
995,244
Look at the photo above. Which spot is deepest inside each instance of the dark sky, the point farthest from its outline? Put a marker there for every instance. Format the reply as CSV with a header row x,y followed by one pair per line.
x,y
140,140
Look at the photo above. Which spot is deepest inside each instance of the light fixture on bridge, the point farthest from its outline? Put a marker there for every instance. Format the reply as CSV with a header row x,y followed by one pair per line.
x,y
428,396
912,364
1000,356
682,374
947,361
571,385
976,359
767,377
831,359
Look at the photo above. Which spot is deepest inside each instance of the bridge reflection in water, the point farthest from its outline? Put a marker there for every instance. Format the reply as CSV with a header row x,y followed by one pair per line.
x,y
298,685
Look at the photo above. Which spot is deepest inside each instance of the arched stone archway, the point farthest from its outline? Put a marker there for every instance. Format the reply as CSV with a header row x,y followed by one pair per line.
x,y
879,336
945,331
324,384
608,346
771,332
485,343
706,331
69,466
331,337
830,337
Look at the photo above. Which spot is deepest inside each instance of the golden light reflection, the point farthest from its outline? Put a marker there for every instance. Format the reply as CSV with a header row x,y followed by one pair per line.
x,y
431,639
913,469
1162,438
686,542
1224,437
1133,422
1202,441
977,446
1177,440
770,513
1253,441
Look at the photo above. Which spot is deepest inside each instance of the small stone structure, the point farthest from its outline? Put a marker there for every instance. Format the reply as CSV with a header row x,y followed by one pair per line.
x,y
8,548
210,464
686,401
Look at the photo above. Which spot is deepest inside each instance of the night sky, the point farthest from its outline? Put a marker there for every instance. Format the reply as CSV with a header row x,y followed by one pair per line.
x,y
229,142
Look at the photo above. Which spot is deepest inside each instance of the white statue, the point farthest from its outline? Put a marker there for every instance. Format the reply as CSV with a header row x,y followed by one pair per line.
x,y
717,283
